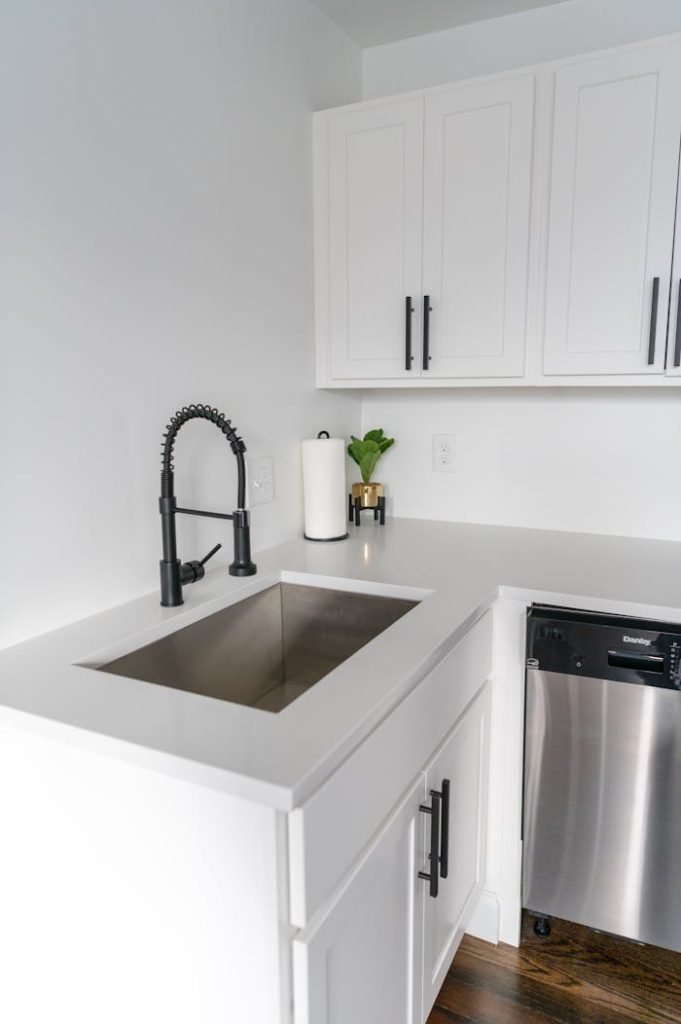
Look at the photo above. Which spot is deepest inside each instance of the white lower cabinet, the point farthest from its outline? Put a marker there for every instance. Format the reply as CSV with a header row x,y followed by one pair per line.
x,y
378,951
463,763
317,914
360,962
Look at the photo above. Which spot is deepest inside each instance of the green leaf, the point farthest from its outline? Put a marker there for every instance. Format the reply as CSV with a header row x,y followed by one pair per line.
x,y
370,446
356,450
386,443
367,465
374,435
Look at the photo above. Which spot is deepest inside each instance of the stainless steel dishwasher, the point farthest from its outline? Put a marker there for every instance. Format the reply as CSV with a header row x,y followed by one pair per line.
x,y
602,787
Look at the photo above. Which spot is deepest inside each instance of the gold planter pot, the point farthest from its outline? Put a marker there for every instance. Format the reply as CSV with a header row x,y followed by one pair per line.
x,y
368,494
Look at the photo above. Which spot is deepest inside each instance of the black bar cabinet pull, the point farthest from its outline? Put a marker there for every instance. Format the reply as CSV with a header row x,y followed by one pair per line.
x,y
444,834
427,310
677,343
408,310
653,321
432,876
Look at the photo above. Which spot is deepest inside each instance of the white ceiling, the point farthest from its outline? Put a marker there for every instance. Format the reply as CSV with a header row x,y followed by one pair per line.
x,y
372,22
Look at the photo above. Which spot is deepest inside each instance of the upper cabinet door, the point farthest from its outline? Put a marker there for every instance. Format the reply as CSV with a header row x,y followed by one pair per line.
x,y
674,338
617,122
477,185
375,195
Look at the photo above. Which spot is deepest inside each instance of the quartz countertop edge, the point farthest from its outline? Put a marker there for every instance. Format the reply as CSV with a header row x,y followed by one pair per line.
x,y
458,571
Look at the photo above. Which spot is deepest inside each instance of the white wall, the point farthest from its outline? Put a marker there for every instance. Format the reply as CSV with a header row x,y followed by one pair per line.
x,y
484,47
156,250
600,460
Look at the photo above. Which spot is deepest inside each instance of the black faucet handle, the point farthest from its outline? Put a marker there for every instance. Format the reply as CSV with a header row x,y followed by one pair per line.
x,y
213,551
190,572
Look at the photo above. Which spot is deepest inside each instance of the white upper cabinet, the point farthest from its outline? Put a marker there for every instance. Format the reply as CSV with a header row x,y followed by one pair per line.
x,y
614,167
382,241
674,339
374,196
507,230
477,185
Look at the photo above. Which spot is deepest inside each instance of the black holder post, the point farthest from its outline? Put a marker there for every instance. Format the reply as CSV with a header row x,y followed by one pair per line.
x,y
355,509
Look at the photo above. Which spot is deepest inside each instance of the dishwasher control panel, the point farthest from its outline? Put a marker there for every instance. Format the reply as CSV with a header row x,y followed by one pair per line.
x,y
604,646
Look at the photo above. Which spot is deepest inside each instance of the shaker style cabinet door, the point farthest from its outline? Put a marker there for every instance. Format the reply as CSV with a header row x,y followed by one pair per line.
x,y
674,337
361,962
617,123
462,766
374,221
477,190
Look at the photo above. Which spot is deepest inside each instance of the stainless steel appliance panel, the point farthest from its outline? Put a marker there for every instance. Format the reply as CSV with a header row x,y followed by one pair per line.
x,y
602,805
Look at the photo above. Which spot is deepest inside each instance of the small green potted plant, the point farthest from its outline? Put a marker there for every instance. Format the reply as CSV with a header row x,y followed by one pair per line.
x,y
366,452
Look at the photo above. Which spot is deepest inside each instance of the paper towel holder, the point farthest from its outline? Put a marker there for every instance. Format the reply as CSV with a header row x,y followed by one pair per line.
x,y
321,436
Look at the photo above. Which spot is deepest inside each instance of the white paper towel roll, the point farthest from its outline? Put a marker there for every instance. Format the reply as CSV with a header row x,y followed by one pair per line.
x,y
324,488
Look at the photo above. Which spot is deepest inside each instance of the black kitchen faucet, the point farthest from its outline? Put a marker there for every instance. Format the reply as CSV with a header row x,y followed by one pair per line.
x,y
173,572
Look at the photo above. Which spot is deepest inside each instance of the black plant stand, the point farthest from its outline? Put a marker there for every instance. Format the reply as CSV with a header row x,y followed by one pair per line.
x,y
355,509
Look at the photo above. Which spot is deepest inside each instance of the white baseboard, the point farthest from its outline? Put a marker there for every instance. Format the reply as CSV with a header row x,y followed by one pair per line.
x,y
484,921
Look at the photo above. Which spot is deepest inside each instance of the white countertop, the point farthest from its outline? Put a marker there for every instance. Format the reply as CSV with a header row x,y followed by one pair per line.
x,y
280,758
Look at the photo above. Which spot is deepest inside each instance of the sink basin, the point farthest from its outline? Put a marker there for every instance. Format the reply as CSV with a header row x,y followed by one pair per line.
x,y
266,650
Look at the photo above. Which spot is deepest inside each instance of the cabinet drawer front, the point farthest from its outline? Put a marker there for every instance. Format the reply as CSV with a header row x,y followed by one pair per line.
x,y
329,831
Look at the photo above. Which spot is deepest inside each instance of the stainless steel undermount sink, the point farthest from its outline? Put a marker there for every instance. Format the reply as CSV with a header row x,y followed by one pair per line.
x,y
266,650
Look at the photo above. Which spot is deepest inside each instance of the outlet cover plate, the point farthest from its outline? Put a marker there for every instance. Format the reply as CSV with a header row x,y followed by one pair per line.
x,y
444,453
260,480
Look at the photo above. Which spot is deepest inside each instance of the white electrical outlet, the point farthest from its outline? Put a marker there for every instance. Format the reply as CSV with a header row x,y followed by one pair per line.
x,y
260,480
444,453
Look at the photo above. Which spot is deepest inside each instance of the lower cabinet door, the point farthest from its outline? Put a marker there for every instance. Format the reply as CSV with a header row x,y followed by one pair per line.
x,y
461,766
360,960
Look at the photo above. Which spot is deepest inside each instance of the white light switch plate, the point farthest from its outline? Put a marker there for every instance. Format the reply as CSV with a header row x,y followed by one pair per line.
x,y
444,453
260,480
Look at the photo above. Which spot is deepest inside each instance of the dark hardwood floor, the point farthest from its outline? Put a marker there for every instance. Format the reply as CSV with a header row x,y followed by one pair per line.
x,y
576,976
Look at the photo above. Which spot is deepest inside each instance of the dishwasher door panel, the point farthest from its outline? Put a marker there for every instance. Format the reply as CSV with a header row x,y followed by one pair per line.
x,y
602,805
